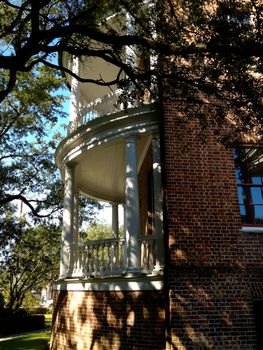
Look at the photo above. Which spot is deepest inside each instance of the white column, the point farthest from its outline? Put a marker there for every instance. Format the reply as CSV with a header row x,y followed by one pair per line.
x,y
115,220
158,204
76,218
68,219
74,105
132,208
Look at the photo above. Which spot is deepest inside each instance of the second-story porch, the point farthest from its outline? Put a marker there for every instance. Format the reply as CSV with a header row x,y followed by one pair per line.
x,y
114,157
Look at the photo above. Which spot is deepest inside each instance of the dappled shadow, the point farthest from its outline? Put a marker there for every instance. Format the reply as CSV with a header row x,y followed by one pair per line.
x,y
211,309
133,320
63,328
209,292
109,320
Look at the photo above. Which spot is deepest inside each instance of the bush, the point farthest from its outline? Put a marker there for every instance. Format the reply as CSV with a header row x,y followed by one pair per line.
x,y
20,322
36,310
2,301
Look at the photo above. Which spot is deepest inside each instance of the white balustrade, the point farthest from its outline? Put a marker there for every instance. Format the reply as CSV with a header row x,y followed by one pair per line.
x,y
106,257
148,250
97,258
104,105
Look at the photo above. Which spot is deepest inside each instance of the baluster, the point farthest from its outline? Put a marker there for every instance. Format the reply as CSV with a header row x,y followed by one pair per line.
x,y
71,260
144,254
150,260
122,256
114,249
154,251
92,260
102,260
78,260
75,260
97,259
84,261
109,266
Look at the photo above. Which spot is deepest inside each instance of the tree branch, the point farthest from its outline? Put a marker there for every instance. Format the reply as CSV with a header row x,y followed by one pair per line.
x,y
10,85
100,82
19,196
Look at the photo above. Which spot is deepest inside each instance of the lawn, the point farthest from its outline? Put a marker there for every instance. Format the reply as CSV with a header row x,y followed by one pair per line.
x,y
32,341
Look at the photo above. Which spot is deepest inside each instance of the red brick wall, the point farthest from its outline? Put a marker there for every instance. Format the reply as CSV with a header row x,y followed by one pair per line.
x,y
209,282
108,320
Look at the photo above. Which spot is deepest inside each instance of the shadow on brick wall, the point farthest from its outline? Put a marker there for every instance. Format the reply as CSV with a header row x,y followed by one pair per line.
x,y
108,320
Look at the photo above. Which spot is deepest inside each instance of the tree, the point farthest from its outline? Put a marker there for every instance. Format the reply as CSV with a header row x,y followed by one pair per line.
x,y
29,262
27,167
28,137
209,52
96,231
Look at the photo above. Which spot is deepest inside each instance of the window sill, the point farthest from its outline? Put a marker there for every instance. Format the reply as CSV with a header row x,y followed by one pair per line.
x,y
251,229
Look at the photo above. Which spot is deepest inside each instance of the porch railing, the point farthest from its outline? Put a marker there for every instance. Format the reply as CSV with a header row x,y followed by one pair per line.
x,y
104,105
108,257
148,249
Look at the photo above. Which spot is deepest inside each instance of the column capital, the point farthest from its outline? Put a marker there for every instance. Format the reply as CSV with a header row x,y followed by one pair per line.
x,y
131,138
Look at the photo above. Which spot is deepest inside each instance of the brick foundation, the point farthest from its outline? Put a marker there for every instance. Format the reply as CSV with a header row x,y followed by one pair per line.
x,y
108,320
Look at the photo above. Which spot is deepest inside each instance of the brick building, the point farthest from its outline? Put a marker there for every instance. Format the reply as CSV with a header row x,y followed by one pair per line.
x,y
187,273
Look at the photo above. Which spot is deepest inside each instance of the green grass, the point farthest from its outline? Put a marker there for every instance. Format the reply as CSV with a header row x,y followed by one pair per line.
x,y
29,341
33,341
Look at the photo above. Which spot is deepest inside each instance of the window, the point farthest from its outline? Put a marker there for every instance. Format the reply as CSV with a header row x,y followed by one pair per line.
x,y
249,176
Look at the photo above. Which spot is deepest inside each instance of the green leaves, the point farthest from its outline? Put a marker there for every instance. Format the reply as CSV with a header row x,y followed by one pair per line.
x,y
26,141
28,262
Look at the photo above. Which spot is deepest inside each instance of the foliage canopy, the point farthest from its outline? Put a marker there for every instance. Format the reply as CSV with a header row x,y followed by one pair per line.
x,y
209,52
27,168
28,261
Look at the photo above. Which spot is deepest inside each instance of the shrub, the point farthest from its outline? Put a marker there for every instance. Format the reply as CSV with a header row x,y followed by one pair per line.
x,y
2,301
37,310
20,322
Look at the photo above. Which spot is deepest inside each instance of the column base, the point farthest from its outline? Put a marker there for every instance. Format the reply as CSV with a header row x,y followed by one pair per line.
x,y
158,270
133,272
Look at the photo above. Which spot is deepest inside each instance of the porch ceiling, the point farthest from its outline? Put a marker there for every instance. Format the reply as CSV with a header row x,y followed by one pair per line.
x,y
100,172
97,148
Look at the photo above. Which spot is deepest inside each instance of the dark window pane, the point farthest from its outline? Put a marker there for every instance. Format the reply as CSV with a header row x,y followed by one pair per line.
x,y
250,195
249,177
251,214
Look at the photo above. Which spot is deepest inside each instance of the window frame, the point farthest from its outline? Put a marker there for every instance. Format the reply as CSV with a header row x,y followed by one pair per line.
x,y
251,226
